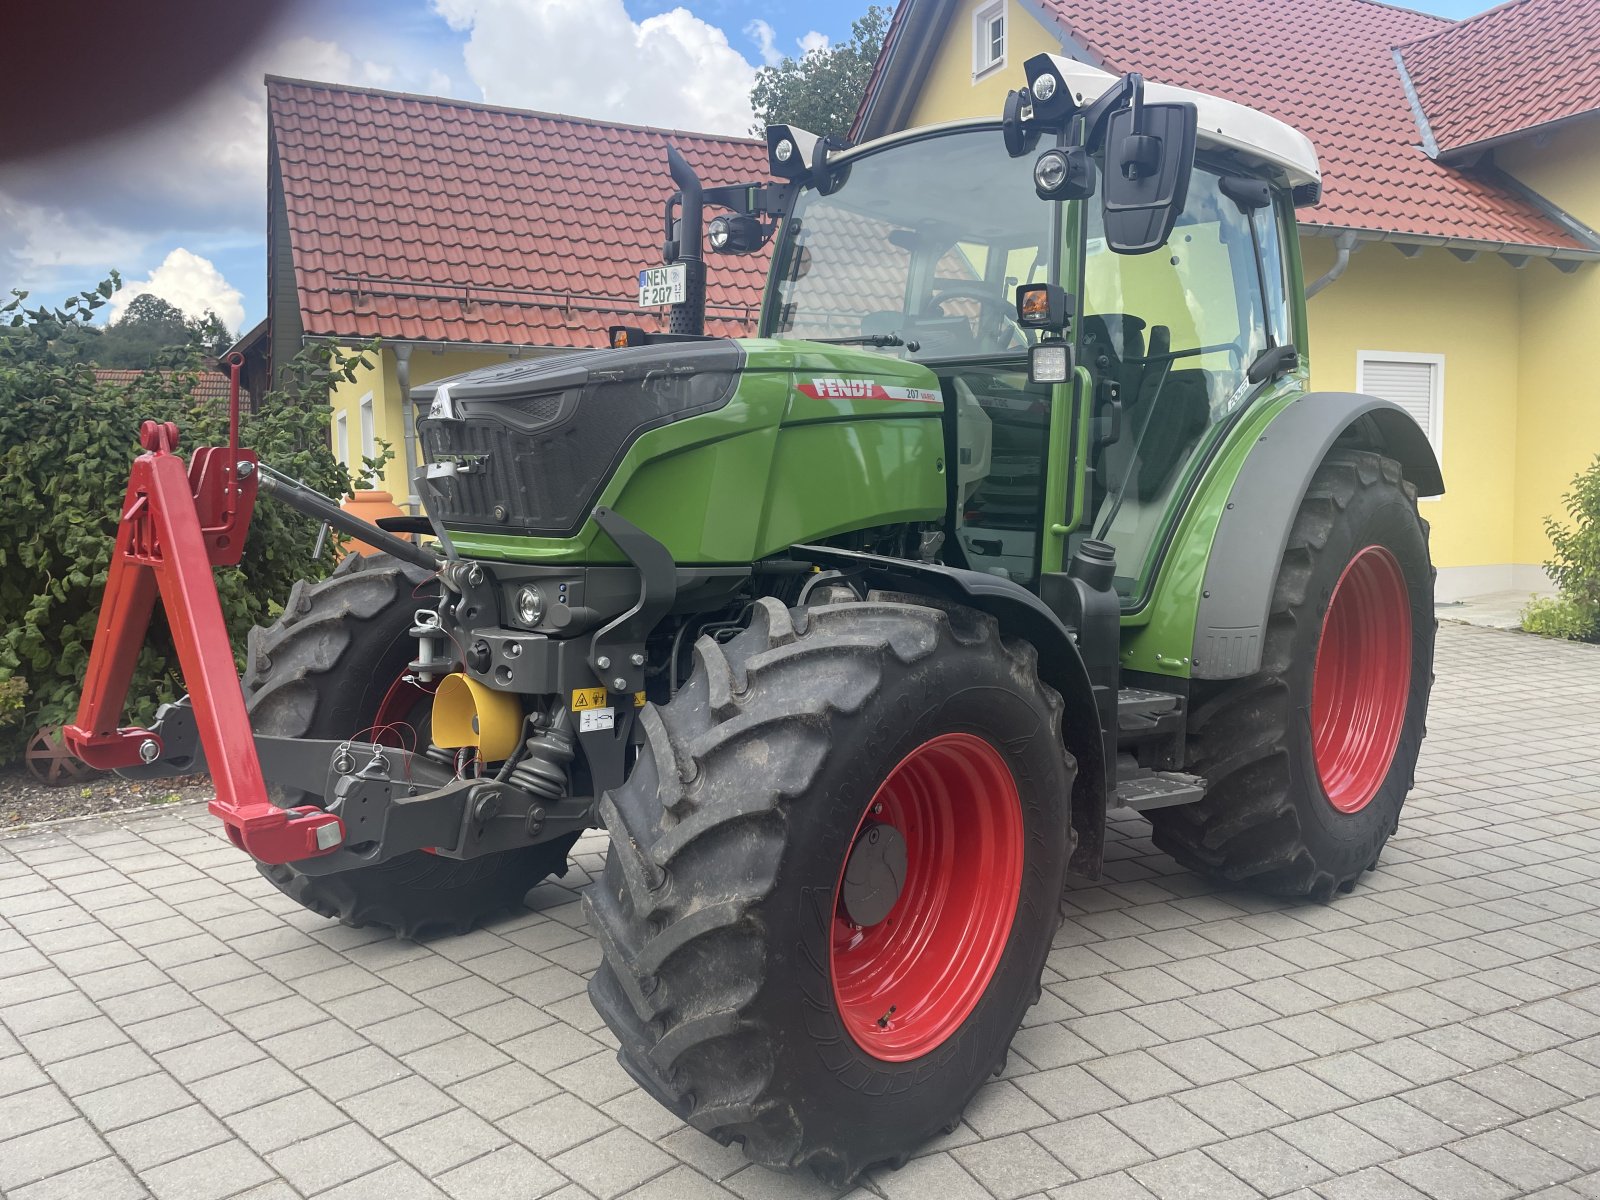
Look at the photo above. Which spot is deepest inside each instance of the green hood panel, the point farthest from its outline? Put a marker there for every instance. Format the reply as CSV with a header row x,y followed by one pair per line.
x,y
814,441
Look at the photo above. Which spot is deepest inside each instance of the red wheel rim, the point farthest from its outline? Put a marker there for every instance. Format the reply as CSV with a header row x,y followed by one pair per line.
x,y
1362,677
905,984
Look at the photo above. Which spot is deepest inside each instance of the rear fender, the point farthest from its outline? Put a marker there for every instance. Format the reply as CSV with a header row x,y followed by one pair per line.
x,y
1020,614
1242,571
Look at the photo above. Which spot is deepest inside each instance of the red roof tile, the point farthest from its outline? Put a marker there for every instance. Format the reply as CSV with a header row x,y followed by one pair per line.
x,y
425,219
1523,64
1327,68
209,385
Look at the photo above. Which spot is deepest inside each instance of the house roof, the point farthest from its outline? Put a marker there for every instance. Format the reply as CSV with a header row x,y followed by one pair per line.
x,y
423,219
1524,64
209,385
1324,66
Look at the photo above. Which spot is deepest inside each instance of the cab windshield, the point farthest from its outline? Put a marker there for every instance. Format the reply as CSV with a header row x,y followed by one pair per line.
x,y
920,250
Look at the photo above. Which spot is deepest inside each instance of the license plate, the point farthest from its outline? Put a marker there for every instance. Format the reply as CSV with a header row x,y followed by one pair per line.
x,y
663,285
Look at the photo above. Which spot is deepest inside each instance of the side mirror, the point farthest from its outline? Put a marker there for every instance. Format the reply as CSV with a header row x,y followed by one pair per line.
x,y
1149,156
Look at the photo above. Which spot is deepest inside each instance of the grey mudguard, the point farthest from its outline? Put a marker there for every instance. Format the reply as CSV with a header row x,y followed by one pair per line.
x,y
1231,620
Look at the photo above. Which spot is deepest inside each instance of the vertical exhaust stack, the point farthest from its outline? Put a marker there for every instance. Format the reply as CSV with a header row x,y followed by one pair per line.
x,y
690,316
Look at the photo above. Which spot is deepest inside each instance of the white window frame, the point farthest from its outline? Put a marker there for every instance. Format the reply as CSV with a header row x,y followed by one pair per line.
x,y
982,64
1435,430
369,431
341,437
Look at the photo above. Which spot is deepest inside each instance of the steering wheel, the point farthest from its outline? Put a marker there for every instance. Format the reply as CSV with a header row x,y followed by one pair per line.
x,y
986,300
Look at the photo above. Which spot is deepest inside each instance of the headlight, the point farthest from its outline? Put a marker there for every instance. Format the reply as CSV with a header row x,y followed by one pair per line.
x,y
1044,87
720,231
530,606
1050,172
783,151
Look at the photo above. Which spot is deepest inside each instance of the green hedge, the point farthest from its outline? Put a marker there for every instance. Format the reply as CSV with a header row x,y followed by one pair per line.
x,y
66,443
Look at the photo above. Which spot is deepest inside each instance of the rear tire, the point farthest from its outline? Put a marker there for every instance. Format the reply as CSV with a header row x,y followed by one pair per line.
x,y
1302,800
324,670
720,909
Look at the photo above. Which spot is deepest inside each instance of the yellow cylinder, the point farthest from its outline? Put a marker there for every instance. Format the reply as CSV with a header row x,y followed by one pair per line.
x,y
468,713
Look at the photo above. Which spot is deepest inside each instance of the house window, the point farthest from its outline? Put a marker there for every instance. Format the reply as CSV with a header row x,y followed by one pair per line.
x,y
341,437
988,39
369,442
1413,381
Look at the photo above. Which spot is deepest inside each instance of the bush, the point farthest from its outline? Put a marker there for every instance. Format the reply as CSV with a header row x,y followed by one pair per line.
x,y
1558,617
1574,566
66,443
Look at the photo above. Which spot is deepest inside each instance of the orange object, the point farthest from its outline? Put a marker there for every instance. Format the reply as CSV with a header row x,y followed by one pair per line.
x,y
369,505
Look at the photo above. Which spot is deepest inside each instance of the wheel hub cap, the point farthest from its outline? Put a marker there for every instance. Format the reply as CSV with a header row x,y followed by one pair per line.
x,y
874,874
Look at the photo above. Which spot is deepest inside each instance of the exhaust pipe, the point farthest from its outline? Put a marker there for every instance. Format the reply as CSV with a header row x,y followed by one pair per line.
x,y
690,316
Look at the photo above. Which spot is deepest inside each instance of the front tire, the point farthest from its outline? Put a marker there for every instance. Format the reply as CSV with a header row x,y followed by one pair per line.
x,y
757,991
1310,760
329,668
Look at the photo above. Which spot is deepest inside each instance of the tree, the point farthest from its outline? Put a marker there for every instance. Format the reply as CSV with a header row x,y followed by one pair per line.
x,y
148,326
821,90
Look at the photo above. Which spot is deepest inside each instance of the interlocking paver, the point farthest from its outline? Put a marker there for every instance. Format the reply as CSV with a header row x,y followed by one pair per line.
x,y
1436,1034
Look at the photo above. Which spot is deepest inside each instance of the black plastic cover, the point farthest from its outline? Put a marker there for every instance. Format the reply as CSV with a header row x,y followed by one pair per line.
x,y
534,441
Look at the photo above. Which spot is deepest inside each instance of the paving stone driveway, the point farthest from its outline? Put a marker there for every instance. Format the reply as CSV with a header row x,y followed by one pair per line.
x,y
170,1024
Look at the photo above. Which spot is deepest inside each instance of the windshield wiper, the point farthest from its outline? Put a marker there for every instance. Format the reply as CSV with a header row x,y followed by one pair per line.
x,y
879,340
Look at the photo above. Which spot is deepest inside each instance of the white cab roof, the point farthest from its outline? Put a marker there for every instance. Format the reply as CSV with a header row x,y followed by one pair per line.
x,y
1224,125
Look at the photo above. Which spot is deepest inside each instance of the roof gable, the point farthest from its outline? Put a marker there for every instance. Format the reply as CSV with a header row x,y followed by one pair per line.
x,y
1524,64
422,219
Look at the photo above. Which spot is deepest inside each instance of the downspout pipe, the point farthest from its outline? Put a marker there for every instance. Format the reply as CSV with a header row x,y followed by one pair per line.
x,y
408,422
1343,244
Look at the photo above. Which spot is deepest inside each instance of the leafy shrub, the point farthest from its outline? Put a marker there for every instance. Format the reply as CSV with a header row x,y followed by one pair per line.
x,y
1558,617
1574,565
13,701
66,442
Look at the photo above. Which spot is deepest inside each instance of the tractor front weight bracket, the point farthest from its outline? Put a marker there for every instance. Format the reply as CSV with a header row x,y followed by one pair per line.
x,y
177,524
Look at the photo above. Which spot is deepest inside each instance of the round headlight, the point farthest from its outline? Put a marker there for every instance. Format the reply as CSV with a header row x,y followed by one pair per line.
x,y
1050,172
783,151
1044,87
718,232
530,605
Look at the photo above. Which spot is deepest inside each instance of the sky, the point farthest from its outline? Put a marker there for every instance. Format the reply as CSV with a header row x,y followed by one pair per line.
x,y
179,206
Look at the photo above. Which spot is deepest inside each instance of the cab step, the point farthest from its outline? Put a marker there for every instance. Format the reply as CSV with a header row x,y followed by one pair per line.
x,y
1158,789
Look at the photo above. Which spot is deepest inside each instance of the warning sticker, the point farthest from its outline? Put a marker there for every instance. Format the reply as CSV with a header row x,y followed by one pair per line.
x,y
583,698
865,389
638,699
591,719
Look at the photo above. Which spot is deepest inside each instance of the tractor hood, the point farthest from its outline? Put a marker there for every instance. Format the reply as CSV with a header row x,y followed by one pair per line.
x,y
527,447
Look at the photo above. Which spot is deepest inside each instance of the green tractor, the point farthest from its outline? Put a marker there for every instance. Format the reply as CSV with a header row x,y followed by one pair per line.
x,y
1017,511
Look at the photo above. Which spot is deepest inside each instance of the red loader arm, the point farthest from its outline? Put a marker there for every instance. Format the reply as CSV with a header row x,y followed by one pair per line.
x,y
177,525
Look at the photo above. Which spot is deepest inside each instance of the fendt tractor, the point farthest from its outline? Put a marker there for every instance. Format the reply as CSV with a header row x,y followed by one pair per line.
x,y
1018,510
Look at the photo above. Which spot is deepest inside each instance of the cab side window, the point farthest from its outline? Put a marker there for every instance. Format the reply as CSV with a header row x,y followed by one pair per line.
x,y
1168,338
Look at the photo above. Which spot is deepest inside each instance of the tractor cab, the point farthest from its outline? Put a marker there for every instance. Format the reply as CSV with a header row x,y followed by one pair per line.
x,y
1153,257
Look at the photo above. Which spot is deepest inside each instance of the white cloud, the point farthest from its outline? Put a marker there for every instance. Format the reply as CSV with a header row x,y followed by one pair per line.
x,y
812,41
589,58
766,39
187,282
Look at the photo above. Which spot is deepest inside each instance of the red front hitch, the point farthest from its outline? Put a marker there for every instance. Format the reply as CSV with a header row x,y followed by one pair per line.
x,y
176,526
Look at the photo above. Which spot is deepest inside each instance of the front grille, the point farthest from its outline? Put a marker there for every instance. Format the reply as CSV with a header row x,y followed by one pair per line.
x,y
534,443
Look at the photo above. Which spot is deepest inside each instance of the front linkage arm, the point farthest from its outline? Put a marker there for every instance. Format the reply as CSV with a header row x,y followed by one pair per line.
x,y
177,524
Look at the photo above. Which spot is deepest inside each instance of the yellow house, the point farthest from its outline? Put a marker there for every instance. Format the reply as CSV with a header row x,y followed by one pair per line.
x,y
1472,149
463,235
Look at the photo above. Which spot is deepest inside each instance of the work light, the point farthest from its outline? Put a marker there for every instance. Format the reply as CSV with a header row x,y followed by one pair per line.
x,y
530,605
